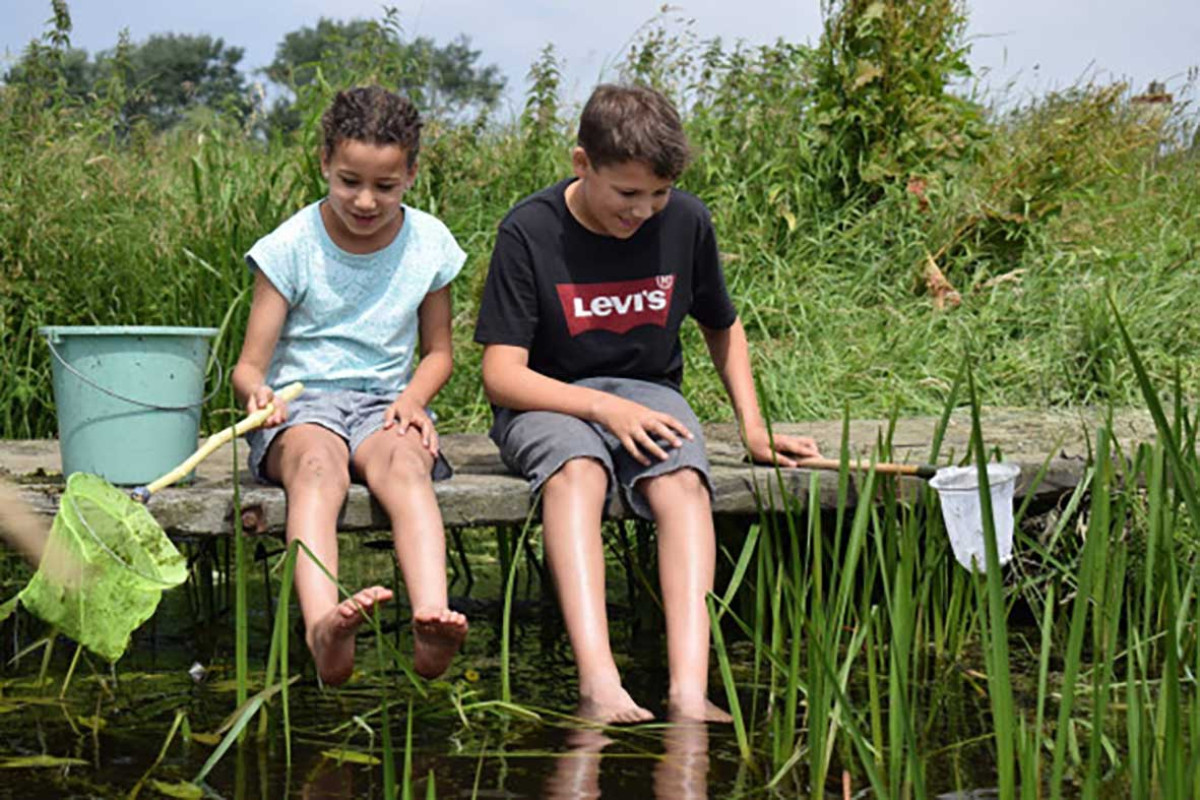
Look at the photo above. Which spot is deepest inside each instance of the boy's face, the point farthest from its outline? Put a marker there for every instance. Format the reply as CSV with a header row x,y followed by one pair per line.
x,y
366,185
614,200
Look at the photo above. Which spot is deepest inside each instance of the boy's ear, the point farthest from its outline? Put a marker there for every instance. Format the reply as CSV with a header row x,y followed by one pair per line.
x,y
579,162
324,164
412,172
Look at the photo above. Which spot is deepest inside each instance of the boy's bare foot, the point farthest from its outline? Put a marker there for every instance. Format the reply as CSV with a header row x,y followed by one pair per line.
x,y
611,707
437,635
331,638
697,709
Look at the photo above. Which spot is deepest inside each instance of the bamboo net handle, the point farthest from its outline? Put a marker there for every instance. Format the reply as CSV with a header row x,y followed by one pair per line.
x,y
217,440
885,468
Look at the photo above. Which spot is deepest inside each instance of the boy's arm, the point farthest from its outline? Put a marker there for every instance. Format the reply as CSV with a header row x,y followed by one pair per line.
x,y
268,310
509,382
731,355
432,372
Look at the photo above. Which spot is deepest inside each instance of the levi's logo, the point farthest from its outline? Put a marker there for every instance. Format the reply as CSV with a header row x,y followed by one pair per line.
x,y
619,306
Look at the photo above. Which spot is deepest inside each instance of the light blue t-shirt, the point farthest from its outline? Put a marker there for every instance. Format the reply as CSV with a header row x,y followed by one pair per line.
x,y
352,319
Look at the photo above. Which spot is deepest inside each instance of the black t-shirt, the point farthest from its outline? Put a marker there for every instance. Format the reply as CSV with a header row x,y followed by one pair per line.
x,y
587,305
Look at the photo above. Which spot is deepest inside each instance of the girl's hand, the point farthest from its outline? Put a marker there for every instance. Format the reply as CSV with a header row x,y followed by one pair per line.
x,y
263,397
637,427
403,414
780,449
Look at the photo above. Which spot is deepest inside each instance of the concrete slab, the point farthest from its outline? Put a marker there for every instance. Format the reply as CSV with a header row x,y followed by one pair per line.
x,y
484,493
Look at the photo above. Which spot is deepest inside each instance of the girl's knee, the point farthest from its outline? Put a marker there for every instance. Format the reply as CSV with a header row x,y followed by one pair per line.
x,y
317,467
408,466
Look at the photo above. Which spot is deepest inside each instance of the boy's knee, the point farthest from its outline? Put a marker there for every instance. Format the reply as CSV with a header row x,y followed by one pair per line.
x,y
578,473
685,482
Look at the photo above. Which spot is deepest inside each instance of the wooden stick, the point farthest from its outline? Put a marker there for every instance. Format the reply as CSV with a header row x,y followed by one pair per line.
x,y
212,443
884,468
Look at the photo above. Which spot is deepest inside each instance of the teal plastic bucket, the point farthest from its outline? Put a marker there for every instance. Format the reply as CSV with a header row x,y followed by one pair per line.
x,y
128,398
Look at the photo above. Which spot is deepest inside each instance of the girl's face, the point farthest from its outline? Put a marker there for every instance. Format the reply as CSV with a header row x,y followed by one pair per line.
x,y
366,185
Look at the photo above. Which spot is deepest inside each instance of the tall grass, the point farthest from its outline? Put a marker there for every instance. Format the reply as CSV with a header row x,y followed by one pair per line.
x,y
1026,210
866,632
863,633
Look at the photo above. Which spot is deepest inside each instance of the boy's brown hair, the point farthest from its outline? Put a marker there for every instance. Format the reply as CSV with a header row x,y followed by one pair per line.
x,y
633,123
373,115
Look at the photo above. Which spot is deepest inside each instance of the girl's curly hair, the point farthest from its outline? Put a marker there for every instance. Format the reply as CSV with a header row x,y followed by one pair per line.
x,y
373,115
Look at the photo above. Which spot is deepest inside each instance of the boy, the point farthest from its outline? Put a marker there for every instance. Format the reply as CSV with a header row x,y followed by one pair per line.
x,y
343,292
589,283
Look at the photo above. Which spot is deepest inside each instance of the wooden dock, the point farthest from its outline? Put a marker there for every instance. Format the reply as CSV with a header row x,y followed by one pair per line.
x,y
483,493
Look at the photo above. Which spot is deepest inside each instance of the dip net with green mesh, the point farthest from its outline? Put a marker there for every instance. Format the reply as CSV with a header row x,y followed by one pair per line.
x,y
121,563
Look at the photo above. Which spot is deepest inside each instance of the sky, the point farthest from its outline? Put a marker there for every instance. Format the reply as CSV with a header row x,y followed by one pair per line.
x,y
1019,48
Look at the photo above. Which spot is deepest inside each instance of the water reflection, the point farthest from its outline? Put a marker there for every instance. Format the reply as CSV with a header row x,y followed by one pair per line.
x,y
329,781
576,773
681,774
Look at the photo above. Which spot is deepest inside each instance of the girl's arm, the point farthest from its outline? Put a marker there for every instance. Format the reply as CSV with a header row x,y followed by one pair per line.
x,y
268,310
731,355
432,372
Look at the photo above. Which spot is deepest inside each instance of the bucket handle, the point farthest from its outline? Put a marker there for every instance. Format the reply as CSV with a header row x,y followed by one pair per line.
x,y
154,406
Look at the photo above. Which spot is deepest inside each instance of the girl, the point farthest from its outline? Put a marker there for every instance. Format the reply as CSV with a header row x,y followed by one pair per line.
x,y
343,292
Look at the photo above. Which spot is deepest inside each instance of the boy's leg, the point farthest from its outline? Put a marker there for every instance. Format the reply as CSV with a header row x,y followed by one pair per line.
x,y
686,562
572,506
568,462
312,464
675,494
396,468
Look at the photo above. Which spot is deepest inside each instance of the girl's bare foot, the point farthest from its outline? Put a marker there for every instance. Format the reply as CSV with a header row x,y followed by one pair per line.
x,y
611,706
437,635
696,709
331,638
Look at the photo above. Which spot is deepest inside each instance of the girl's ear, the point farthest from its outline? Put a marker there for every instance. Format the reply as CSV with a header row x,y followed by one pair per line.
x,y
412,173
579,162
324,163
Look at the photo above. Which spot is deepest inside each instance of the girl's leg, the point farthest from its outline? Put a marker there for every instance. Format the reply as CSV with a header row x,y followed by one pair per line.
x,y
311,463
686,561
572,506
397,470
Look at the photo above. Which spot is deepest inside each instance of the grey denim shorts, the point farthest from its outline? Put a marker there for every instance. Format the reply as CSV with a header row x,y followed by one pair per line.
x,y
351,415
536,444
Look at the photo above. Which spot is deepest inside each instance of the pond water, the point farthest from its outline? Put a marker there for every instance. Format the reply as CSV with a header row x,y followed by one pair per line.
x,y
113,723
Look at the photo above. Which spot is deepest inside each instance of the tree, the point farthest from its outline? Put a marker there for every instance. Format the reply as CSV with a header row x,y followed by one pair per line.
x,y
173,73
162,78
45,66
50,63
443,79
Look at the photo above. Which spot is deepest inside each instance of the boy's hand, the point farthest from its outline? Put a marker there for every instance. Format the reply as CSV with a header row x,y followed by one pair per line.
x,y
263,397
637,427
780,449
403,413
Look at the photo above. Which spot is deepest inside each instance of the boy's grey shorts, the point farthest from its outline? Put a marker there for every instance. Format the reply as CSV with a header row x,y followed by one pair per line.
x,y
535,444
351,415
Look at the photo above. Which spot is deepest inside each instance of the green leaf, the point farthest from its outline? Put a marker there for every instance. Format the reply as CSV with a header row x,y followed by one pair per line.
x,y
873,12
865,73
343,756
37,762
8,608
182,789
210,739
